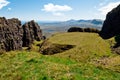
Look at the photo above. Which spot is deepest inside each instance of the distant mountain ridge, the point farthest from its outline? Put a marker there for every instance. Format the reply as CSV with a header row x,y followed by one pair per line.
x,y
65,25
94,21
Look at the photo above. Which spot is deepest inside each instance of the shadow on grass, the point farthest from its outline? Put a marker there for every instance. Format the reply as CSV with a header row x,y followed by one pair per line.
x,y
48,48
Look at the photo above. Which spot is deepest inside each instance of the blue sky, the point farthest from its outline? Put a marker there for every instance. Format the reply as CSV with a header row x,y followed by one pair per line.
x,y
56,10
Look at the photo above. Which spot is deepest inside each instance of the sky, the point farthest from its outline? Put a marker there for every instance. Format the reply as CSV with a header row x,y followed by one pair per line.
x,y
56,10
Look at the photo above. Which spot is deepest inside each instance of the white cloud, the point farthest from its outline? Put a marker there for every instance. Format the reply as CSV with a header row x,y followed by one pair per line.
x,y
56,9
3,3
105,9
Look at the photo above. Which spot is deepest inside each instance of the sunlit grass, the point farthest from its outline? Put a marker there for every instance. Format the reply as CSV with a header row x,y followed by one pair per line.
x,y
91,59
88,45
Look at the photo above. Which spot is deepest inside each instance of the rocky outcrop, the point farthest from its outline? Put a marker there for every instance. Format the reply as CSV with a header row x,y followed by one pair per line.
x,y
10,34
92,30
111,26
116,50
78,29
31,32
13,36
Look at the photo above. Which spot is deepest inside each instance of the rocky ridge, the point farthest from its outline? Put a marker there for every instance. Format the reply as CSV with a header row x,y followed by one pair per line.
x,y
13,35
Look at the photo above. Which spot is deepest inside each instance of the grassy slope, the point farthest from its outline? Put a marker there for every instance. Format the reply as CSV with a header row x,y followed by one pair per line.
x,y
87,45
91,59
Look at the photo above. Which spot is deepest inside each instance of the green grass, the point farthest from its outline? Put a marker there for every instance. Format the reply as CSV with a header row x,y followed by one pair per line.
x,y
88,45
91,59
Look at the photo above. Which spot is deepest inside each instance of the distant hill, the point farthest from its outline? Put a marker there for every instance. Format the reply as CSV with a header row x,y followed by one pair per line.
x,y
65,25
94,21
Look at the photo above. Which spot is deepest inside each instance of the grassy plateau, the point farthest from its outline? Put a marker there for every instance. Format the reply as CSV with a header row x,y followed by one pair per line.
x,y
90,59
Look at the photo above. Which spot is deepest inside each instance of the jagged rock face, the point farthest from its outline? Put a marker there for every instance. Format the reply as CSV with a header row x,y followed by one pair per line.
x,y
10,34
13,36
111,26
31,32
